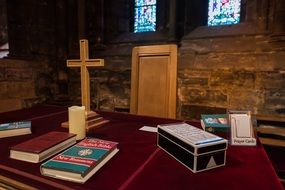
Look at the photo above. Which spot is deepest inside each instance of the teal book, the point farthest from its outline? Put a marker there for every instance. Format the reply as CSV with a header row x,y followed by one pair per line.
x,y
81,161
15,129
215,122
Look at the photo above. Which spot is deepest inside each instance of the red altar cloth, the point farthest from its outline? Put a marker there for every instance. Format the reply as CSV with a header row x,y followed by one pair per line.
x,y
139,164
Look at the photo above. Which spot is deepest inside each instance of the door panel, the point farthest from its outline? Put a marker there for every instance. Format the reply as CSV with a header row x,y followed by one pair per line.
x,y
153,86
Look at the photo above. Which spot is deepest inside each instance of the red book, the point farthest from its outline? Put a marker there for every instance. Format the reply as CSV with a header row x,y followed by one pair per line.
x,y
42,147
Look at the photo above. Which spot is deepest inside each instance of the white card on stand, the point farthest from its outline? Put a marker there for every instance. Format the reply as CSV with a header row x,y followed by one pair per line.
x,y
241,129
243,126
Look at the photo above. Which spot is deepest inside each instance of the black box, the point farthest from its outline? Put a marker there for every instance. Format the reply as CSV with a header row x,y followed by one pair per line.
x,y
196,149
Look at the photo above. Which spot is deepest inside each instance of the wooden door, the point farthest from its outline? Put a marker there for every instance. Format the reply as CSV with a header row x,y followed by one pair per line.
x,y
154,76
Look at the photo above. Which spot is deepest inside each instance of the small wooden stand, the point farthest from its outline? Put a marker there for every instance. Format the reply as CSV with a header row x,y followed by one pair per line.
x,y
93,120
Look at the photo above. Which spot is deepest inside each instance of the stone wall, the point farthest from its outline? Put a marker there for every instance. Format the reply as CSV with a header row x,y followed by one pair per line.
x,y
232,72
24,84
35,69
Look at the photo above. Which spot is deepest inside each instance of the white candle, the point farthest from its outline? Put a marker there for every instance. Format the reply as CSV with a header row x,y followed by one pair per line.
x,y
76,121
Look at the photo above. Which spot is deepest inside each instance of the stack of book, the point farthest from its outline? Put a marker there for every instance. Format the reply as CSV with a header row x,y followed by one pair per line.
x,y
72,161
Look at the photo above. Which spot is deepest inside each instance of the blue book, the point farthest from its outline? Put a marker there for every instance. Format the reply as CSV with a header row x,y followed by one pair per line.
x,y
215,122
81,161
15,129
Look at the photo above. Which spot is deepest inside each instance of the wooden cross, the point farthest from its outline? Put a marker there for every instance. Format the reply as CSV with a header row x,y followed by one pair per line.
x,y
83,63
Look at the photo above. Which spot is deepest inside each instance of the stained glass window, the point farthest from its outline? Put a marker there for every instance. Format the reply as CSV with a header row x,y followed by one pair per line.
x,y
223,12
145,15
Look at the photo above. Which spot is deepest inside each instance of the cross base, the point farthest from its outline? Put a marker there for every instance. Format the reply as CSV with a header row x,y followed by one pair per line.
x,y
93,120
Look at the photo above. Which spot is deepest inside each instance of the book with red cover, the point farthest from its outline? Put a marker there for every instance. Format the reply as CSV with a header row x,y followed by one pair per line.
x,y
81,161
42,147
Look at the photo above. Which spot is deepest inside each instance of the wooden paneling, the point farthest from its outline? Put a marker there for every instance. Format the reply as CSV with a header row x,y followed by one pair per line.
x,y
154,76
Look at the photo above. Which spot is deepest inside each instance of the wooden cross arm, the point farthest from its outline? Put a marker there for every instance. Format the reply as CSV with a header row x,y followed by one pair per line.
x,y
88,62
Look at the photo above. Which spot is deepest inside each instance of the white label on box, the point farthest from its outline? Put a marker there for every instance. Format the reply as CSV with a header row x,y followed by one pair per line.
x,y
244,141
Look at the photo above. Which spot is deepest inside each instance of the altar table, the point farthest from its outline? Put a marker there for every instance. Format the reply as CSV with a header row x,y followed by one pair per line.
x,y
140,164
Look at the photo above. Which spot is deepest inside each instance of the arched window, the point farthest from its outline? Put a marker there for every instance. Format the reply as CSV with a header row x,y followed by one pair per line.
x,y
145,16
223,12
